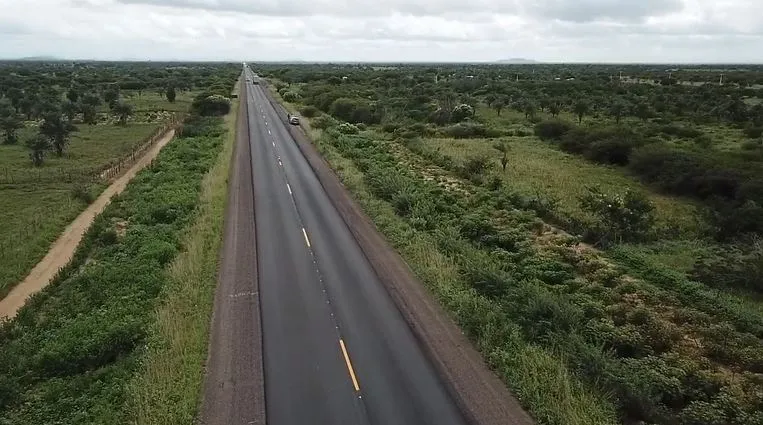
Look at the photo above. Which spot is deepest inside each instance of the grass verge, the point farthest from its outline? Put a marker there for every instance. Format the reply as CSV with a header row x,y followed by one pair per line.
x,y
168,387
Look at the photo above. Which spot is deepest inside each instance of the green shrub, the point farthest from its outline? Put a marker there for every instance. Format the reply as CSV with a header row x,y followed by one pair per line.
x,y
308,111
290,96
82,193
469,129
211,105
753,132
680,131
552,129
476,166
731,267
323,122
626,217
608,145
347,128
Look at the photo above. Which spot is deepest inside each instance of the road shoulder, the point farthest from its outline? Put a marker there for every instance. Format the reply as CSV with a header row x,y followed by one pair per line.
x,y
234,383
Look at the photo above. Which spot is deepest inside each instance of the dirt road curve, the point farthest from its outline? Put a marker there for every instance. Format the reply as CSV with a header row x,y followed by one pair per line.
x,y
233,388
63,249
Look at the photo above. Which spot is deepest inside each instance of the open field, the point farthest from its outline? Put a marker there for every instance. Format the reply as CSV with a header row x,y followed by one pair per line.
x,y
639,302
38,202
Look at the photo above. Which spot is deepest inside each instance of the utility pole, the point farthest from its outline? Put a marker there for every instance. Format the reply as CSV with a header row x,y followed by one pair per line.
x,y
721,82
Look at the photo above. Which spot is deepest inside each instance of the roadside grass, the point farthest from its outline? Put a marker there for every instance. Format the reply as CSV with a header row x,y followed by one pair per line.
x,y
536,168
74,348
38,203
168,387
539,378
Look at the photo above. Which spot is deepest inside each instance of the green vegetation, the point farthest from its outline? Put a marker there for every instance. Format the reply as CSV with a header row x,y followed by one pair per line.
x,y
168,387
597,238
72,352
65,144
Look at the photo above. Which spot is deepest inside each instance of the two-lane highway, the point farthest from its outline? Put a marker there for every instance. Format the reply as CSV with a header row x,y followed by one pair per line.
x,y
336,349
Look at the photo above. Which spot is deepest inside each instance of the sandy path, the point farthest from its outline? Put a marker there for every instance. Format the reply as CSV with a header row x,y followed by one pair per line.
x,y
62,251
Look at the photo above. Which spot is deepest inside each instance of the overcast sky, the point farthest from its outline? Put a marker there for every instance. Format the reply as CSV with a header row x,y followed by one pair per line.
x,y
386,30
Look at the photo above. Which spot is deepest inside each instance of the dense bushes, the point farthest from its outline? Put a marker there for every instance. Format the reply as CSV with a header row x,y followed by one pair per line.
x,y
469,129
70,352
354,111
211,105
308,111
552,129
729,189
623,218
609,145
732,267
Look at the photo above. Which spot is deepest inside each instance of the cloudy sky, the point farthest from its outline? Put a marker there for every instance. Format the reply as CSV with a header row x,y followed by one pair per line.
x,y
386,30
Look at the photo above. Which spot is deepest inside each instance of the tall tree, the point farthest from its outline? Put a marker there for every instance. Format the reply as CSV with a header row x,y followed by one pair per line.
x,y
617,109
57,130
9,125
171,94
529,110
72,95
15,95
38,146
643,111
91,99
10,121
89,114
498,104
70,110
554,108
123,111
111,96
580,109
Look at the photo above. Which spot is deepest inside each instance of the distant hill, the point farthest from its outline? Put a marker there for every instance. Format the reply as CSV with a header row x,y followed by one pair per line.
x,y
517,61
40,58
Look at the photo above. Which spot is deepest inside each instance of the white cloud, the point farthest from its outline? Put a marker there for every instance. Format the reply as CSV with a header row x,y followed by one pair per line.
x,y
385,30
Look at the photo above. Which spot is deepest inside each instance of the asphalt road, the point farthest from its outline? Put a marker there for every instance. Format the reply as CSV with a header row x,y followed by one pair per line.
x,y
335,348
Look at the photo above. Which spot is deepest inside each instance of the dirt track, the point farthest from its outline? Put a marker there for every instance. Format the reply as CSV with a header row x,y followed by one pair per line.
x,y
63,249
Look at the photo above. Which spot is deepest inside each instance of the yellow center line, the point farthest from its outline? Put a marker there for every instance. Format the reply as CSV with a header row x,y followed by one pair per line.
x,y
349,366
307,241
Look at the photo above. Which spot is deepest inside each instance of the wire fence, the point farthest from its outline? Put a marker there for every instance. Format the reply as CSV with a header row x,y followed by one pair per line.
x,y
12,243
105,172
